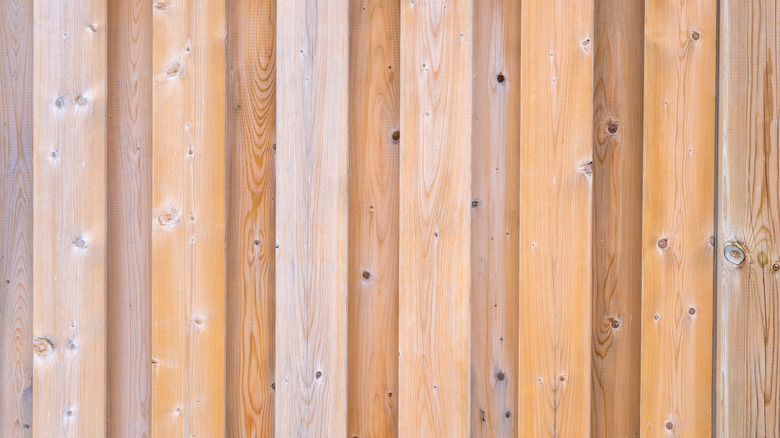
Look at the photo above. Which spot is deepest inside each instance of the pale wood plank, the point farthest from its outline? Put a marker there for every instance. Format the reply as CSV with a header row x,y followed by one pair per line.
x,y
678,218
435,218
69,243
16,219
129,256
311,218
495,218
556,168
373,217
188,231
748,255
618,46
251,120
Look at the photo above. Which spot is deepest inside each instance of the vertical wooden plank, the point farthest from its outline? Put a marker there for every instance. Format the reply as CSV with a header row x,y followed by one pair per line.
x,y
495,218
373,217
618,46
311,218
748,273
129,257
678,218
251,120
69,243
188,231
16,219
435,218
556,167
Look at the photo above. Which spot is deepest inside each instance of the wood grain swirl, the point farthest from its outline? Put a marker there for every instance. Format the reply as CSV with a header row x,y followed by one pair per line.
x,y
374,141
16,217
251,120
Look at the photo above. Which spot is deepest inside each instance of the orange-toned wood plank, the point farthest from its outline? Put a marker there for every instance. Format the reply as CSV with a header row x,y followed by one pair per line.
x,y
748,254
435,218
16,217
495,218
556,167
618,44
188,231
311,217
678,218
129,257
373,217
69,243
251,120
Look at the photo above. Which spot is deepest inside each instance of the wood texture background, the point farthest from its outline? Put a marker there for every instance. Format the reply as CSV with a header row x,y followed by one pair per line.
x,y
366,218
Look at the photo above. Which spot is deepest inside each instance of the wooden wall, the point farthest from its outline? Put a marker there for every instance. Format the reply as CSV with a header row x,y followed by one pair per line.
x,y
373,218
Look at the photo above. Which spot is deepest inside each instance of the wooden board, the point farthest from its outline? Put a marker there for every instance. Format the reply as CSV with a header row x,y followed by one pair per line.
x,y
556,105
618,45
129,257
16,217
188,231
311,218
435,218
69,243
748,253
495,218
374,143
251,120
678,222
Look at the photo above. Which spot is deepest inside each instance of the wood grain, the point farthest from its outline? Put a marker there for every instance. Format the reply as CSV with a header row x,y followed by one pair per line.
x,y
311,217
129,256
188,231
678,222
16,217
69,243
618,45
495,218
556,105
373,217
251,120
435,218
748,272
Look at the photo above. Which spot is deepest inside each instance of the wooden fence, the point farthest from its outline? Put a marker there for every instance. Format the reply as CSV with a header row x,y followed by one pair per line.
x,y
375,218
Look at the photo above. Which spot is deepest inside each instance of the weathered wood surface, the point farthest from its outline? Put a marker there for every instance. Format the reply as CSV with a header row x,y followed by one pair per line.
x,y
129,255
69,243
678,218
251,120
311,217
556,167
435,218
374,141
495,220
618,45
16,217
188,219
748,252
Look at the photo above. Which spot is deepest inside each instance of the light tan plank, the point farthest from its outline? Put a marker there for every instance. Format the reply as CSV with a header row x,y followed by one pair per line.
x,y
678,223
311,218
129,256
188,231
748,273
373,217
495,218
251,120
69,243
435,218
556,99
618,45
16,217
